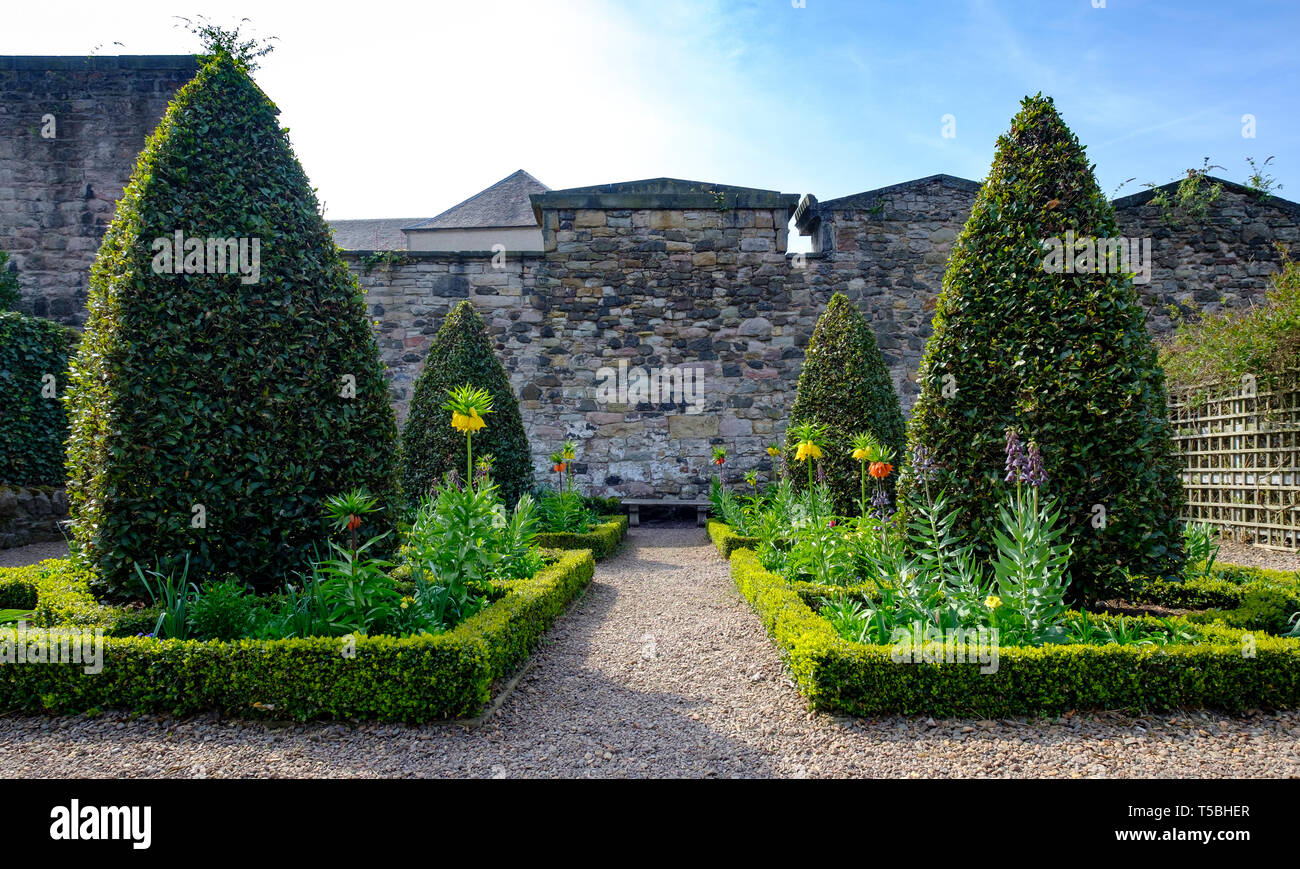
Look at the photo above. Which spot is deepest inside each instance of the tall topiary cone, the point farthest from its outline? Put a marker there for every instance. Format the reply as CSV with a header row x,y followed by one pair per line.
x,y
1063,357
462,353
210,417
845,386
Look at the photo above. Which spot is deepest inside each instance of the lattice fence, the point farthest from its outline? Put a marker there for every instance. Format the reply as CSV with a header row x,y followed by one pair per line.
x,y
1240,449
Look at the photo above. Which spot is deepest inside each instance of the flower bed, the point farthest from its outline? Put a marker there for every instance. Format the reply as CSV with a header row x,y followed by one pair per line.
x,y
602,540
415,678
842,676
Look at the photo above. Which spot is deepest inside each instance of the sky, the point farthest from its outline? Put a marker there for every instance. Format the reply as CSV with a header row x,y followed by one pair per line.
x,y
403,109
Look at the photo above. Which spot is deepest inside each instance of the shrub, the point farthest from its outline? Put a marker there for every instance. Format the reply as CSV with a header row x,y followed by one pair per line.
x,y
728,541
33,421
1263,340
9,292
462,353
1064,358
603,540
845,386
861,679
17,594
198,397
222,611
418,678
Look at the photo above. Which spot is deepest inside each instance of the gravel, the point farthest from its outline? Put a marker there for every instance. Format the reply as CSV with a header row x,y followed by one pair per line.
x,y
1257,556
21,556
661,669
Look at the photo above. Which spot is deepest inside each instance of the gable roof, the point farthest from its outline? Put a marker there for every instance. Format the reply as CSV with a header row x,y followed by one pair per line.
x,y
503,204
384,233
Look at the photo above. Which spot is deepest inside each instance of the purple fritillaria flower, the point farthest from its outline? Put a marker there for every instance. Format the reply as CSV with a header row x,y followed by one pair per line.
x,y
880,504
821,472
923,464
1015,457
1035,474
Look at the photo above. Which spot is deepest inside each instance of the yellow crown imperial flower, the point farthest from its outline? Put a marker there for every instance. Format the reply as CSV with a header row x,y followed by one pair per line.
x,y
467,422
774,451
861,455
807,451
993,601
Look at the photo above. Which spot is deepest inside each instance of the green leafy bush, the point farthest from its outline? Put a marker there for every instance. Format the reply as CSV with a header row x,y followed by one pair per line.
x,y
1064,357
1263,340
845,386
17,594
602,540
863,679
416,678
222,611
212,417
461,353
34,355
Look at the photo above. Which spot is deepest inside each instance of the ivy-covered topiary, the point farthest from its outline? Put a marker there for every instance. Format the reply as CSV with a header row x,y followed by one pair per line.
x,y
462,353
33,422
845,386
213,410
1065,358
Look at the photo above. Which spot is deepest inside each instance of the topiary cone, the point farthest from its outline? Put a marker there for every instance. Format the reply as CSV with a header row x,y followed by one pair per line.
x,y
1065,358
212,413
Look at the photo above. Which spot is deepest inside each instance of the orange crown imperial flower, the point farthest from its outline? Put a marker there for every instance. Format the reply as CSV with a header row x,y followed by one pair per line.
x,y
880,470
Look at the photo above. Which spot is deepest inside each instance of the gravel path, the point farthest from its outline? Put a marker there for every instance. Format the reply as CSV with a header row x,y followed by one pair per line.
x,y
1257,556
21,556
661,669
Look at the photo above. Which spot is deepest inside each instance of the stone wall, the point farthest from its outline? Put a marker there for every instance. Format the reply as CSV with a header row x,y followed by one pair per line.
x,y
31,515
664,275
57,193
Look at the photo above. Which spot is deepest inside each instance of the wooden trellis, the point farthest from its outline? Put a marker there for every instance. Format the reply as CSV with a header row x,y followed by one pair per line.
x,y
1240,447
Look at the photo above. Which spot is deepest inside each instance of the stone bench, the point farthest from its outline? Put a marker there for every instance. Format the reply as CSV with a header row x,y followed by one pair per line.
x,y
634,506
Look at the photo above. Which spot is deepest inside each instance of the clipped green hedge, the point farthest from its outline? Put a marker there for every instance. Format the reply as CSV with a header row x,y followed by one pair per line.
x,y
33,424
602,540
392,679
1065,358
845,386
17,594
1225,587
210,417
462,353
859,679
727,540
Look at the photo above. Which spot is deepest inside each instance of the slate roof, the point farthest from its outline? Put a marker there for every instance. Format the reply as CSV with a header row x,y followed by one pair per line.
x,y
503,204
384,233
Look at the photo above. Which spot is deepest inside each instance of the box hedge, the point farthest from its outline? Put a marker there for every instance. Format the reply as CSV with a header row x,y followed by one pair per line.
x,y
727,540
411,679
211,417
34,355
603,540
859,679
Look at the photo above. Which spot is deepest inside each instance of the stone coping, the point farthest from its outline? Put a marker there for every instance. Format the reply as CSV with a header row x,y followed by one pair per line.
x,y
36,62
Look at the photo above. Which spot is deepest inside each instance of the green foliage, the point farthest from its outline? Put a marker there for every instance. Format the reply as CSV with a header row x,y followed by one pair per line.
x,y
845,386
565,512
222,611
602,540
1030,569
172,593
255,401
863,679
1201,543
17,594
1224,346
1192,198
1065,357
460,354
728,541
412,679
1260,609
64,598
9,290
33,425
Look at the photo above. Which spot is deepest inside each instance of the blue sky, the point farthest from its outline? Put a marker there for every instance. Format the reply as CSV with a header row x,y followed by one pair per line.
x,y
404,109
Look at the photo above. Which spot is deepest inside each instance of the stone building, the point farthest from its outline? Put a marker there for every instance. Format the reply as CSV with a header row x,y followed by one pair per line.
x,y
651,320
